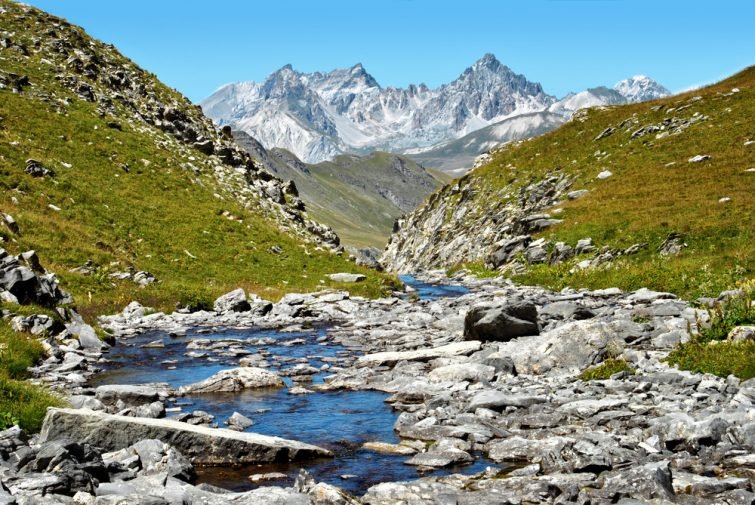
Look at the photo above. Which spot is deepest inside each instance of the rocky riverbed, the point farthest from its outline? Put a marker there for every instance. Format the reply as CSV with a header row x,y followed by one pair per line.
x,y
485,376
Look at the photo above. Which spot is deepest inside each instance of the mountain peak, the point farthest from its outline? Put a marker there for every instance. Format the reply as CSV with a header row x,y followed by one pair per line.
x,y
640,88
488,61
347,110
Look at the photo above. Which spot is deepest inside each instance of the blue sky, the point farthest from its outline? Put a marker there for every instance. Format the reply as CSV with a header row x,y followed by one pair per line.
x,y
566,45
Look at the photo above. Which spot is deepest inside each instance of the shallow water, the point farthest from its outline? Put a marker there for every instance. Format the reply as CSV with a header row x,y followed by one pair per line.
x,y
340,421
431,291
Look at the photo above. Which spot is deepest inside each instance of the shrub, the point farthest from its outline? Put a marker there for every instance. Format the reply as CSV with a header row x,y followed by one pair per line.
x,y
195,301
606,369
726,315
718,358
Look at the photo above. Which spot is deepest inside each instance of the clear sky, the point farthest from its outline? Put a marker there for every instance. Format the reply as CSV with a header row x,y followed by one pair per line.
x,y
566,45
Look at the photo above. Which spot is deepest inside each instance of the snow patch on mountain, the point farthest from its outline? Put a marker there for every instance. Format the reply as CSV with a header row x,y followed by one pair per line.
x,y
641,88
319,115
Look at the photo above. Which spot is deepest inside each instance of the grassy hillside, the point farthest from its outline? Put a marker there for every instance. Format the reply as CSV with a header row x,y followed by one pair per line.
x,y
360,197
130,192
654,191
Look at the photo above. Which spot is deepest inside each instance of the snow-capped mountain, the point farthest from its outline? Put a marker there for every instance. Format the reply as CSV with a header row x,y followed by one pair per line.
x,y
457,156
641,88
592,97
319,115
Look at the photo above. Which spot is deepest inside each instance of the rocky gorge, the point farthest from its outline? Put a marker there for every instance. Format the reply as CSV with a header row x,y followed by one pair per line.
x,y
487,377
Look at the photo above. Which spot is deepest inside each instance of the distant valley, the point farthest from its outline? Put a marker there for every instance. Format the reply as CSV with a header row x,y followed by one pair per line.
x,y
360,197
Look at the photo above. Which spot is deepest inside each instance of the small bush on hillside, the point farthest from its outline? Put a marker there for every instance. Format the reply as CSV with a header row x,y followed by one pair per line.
x,y
606,369
195,301
718,358
725,316
709,352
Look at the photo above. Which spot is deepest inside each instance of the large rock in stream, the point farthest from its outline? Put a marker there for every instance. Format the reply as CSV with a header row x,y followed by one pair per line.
x,y
234,379
203,446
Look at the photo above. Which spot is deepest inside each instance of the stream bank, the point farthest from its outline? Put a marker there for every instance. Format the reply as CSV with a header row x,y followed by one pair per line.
x,y
654,434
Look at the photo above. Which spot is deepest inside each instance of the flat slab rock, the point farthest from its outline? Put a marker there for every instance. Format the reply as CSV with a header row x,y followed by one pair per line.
x,y
203,446
346,277
455,349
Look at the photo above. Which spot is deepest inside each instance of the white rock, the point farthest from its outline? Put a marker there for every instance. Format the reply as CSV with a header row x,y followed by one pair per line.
x,y
741,333
605,174
455,349
346,277
473,372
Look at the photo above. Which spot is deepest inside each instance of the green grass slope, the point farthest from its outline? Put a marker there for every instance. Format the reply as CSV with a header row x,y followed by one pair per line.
x,y
127,192
360,197
654,191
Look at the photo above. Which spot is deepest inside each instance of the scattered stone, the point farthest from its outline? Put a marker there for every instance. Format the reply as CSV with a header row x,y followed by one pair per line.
x,y
573,195
605,133
239,422
605,174
266,477
299,390
385,448
37,169
346,277
698,158
673,245
741,334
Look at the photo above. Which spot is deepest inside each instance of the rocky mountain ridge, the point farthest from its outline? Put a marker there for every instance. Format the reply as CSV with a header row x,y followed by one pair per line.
x,y
542,200
319,115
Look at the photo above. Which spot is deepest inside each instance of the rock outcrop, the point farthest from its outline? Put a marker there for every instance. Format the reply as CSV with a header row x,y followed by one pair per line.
x,y
203,446
129,97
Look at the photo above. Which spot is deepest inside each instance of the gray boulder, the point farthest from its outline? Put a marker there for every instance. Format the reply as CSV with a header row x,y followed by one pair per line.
x,y
127,394
27,286
501,323
649,481
473,372
445,452
201,445
234,379
234,301
507,251
569,348
86,334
